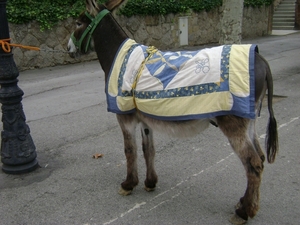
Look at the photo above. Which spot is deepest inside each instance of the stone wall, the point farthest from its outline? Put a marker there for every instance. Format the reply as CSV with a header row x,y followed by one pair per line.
x,y
163,31
160,31
55,39
257,22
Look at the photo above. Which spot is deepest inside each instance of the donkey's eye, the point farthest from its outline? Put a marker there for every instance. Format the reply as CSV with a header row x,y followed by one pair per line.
x,y
78,24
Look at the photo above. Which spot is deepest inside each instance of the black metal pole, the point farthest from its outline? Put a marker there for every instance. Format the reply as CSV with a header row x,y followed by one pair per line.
x,y
18,153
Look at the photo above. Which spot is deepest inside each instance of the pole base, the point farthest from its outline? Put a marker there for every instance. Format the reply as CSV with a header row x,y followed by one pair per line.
x,y
19,169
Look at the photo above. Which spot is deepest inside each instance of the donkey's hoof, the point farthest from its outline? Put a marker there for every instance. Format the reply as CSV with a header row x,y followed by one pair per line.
x,y
238,205
149,189
235,219
124,192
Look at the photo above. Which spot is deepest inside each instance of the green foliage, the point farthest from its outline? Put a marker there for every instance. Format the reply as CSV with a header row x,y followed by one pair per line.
x,y
49,12
257,3
162,7
46,12
207,5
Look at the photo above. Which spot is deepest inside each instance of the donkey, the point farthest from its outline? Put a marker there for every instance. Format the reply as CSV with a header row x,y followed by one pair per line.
x,y
97,30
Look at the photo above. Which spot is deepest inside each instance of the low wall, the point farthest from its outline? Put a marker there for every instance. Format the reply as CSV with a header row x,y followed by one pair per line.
x,y
257,22
54,39
160,31
163,31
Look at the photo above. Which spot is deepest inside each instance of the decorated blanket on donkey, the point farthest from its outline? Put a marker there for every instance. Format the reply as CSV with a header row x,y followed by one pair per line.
x,y
182,85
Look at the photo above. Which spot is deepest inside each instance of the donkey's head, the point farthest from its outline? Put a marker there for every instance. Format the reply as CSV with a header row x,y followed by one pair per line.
x,y
81,40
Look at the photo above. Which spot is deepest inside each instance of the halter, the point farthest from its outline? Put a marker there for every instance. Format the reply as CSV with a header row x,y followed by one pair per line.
x,y
89,30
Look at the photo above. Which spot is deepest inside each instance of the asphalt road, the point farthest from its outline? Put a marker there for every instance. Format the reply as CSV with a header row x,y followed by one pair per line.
x,y
200,179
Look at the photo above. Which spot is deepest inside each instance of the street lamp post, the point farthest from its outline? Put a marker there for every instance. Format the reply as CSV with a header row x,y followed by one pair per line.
x,y
18,153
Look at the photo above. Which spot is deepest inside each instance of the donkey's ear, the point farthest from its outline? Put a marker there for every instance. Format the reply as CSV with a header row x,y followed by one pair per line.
x,y
92,7
111,4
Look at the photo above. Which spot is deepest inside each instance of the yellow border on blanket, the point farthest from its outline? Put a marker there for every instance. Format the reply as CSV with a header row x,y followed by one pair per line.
x,y
239,81
187,105
114,74
125,103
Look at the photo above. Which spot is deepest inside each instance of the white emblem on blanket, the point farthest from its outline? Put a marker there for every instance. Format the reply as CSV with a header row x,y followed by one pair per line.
x,y
182,85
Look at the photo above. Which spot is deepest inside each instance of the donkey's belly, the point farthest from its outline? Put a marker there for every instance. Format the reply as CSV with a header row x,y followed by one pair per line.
x,y
186,128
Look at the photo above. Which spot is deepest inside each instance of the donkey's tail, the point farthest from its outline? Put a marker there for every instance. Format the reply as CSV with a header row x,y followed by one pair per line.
x,y
272,133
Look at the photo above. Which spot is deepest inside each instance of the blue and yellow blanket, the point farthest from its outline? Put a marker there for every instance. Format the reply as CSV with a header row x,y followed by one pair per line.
x,y
182,85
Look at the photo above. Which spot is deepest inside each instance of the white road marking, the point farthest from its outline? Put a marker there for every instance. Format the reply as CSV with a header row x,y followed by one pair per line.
x,y
111,221
282,125
286,124
137,205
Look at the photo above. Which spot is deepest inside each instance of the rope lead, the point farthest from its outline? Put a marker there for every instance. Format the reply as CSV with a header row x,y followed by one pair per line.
x,y
6,46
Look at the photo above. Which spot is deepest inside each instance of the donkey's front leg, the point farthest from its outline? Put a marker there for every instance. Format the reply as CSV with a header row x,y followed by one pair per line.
x,y
128,124
149,154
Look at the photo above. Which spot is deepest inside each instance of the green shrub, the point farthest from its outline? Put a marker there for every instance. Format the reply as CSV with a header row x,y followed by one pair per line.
x,y
49,12
46,12
257,3
162,7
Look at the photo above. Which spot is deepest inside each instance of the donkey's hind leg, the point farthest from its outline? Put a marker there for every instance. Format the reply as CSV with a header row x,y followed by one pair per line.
x,y
149,154
237,131
255,140
128,125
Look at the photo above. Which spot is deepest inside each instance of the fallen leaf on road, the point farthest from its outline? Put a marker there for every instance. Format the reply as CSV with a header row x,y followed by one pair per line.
x,y
97,155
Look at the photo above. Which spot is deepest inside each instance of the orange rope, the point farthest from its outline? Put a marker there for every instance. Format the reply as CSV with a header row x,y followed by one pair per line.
x,y
6,46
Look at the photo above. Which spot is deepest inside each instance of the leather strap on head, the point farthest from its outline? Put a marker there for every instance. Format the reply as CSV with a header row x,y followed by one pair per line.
x,y
89,30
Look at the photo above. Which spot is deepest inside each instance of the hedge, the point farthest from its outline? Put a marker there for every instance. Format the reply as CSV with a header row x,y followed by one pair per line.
x,y
49,12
